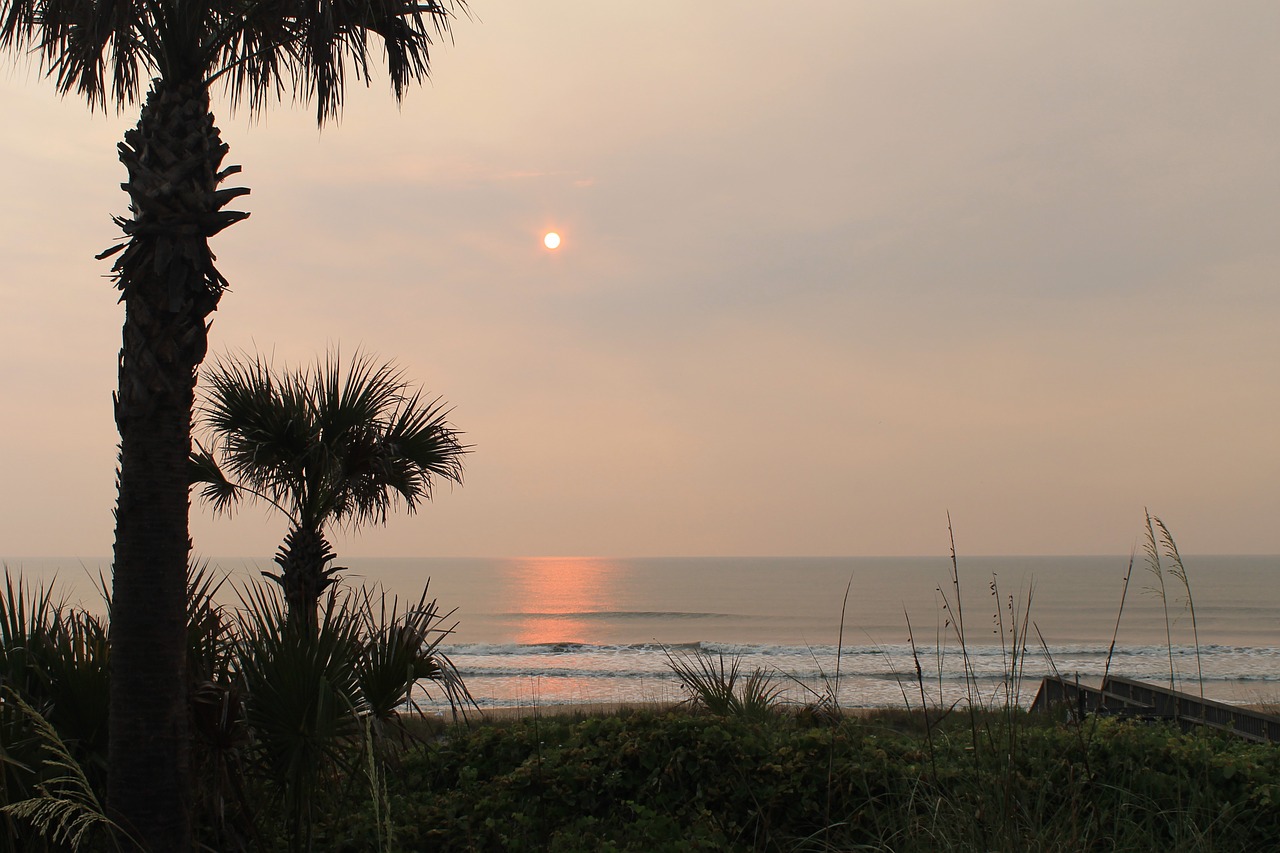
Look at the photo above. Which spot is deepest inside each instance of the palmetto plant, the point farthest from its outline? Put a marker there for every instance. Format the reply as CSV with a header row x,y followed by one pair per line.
x,y
287,718
303,702
327,445
399,649
724,690
164,269
53,676
322,700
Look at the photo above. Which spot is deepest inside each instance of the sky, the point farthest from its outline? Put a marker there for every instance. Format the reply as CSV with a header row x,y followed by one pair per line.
x,y
830,271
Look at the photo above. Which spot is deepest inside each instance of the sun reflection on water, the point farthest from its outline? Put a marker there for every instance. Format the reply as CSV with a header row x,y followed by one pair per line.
x,y
554,595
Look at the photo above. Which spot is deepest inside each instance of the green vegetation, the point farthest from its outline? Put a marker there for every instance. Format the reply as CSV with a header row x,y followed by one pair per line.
x,y
682,781
721,689
63,807
53,717
300,742
287,720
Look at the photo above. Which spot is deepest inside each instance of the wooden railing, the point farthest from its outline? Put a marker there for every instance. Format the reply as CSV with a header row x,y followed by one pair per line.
x,y
1130,698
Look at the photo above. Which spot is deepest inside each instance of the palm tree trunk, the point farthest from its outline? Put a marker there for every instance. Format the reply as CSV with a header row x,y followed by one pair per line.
x,y
305,573
169,287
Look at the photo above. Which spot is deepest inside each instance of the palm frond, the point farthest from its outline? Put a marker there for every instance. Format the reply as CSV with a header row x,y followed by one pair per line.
x,y
715,688
220,493
99,51
339,442
74,680
324,47
31,620
399,650
422,434
210,633
259,49
260,431
26,612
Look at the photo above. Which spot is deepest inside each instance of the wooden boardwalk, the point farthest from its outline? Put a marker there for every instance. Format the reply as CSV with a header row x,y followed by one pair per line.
x,y
1130,698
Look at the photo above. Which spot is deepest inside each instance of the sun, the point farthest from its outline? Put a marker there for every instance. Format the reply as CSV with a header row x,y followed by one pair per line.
x,y
551,240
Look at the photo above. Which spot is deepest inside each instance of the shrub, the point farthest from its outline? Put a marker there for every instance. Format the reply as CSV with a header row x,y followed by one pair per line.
x,y
684,782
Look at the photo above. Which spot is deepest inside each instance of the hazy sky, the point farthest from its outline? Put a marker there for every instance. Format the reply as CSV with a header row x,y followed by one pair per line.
x,y
830,269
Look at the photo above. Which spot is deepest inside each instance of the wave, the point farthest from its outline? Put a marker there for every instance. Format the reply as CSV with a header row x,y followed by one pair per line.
x,y
555,672
596,662
891,650
473,676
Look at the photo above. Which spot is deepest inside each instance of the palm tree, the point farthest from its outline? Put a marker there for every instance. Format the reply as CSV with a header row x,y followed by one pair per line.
x,y
258,50
326,446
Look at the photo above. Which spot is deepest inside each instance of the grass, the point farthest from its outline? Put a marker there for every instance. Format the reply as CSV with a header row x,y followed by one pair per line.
x,y
64,807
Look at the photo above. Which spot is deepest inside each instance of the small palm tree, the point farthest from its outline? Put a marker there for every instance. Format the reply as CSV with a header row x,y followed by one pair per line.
x,y
325,446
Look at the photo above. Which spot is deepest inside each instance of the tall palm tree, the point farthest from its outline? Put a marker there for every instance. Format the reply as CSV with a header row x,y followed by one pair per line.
x,y
329,445
259,50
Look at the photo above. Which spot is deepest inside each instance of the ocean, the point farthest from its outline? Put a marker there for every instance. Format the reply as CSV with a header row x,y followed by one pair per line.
x,y
549,630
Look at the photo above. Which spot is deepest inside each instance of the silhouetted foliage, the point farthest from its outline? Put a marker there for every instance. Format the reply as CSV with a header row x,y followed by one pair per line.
x,y
327,445
105,53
